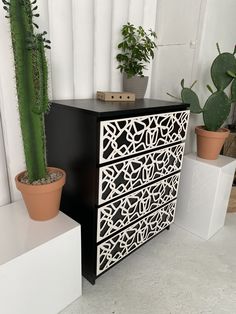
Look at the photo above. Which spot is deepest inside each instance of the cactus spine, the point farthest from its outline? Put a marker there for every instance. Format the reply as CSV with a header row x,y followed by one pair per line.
x,y
31,82
218,104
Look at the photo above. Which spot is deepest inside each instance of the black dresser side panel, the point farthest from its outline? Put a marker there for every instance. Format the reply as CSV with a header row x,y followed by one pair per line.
x,y
72,145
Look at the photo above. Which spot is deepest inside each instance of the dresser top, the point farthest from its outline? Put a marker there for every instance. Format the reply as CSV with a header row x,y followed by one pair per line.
x,y
101,108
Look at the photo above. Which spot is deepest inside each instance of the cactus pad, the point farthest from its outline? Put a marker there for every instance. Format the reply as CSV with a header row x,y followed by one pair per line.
x,y
223,63
216,110
190,97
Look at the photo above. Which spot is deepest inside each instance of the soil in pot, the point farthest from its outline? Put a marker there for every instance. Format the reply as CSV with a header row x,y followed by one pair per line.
x,y
51,177
42,199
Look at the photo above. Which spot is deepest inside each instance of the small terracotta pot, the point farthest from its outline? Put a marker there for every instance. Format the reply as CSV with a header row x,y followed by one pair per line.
x,y
42,201
209,143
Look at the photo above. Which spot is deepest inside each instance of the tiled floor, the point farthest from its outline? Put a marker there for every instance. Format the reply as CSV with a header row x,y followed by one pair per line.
x,y
175,273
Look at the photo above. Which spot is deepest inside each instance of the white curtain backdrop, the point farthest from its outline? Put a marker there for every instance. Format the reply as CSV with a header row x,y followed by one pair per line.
x,y
84,35
4,186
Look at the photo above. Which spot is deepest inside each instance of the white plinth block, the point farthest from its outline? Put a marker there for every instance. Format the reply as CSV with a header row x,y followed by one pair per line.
x,y
204,192
40,262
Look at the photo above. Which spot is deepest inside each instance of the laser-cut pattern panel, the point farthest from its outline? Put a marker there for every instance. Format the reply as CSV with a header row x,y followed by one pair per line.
x,y
118,214
114,249
125,176
125,137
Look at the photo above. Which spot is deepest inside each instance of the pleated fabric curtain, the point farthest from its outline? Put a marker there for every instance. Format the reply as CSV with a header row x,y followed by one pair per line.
x,y
84,36
4,182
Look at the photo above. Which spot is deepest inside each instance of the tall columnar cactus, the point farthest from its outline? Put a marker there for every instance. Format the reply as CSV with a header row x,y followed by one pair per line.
x,y
31,82
217,106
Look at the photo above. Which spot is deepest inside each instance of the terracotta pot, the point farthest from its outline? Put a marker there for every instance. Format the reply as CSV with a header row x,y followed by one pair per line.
x,y
209,143
42,201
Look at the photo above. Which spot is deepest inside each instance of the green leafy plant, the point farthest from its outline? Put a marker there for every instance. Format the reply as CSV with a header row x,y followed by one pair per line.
x,y
31,82
137,49
217,107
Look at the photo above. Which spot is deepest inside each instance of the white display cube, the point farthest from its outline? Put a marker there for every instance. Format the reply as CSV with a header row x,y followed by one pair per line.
x,y
204,192
40,262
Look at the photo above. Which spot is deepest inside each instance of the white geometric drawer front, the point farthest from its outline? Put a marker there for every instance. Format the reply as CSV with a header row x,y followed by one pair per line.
x,y
118,214
125,176
120,245
124,137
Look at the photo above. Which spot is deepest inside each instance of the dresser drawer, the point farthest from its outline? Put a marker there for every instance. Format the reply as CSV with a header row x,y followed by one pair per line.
x,y
125,176
118,214
125,137
114,249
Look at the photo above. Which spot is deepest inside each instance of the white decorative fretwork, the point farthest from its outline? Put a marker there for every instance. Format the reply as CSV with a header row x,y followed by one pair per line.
x,y
120,245
125,176
126,210
125,137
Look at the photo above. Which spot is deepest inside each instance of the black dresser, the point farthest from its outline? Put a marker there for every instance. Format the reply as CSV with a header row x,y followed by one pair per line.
x,y
123,163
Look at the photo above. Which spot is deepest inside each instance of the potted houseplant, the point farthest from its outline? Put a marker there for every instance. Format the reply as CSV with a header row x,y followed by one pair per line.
x,y
137,49
40,185
211,136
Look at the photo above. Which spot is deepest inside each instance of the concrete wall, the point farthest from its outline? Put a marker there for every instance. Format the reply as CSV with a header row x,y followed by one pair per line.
x,y
219,26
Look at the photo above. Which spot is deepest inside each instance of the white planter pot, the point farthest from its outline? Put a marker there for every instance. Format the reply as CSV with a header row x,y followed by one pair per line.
x,y
136,85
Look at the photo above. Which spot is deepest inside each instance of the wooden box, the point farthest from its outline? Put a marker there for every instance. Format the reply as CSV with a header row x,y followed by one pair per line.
x,y
115,96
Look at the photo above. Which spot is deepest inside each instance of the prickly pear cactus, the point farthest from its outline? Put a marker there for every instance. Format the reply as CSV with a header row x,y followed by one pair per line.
x,y
223,63
190,97
216,110
31,81
218,105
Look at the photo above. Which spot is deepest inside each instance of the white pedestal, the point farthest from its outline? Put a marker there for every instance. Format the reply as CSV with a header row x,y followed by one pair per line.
x,y
40,262
204,194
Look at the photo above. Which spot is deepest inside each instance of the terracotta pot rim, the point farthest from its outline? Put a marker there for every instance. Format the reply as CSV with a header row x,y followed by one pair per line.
x,y
41,188
220,133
